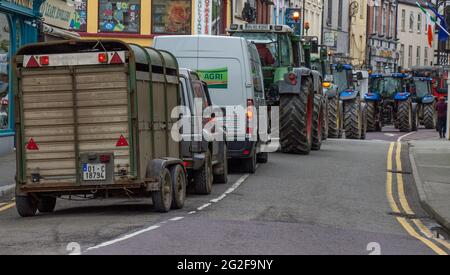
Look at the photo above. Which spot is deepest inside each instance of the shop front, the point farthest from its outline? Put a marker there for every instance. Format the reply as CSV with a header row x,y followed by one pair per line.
x,y
18,26
139,21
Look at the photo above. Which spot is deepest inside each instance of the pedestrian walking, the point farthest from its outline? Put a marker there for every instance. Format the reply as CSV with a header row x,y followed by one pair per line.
x,y
441,108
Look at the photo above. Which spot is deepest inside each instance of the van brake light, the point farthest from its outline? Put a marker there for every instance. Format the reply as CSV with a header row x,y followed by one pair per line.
x,y
103,57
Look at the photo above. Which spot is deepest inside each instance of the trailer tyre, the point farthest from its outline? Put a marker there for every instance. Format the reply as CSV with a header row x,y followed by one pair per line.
x,y
334,119
162,199
203,178
26,206
353,120
296,120
178,186
222,176
405,116
429,116
46,204
317,123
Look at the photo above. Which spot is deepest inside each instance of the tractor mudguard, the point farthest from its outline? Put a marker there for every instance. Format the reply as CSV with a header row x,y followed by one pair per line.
x,y
372,97
286,87
428,99
317,79
402,96
348,95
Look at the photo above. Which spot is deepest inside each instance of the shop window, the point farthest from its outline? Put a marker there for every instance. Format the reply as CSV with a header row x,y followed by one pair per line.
x,y
119,16
171,16
79,22
4,78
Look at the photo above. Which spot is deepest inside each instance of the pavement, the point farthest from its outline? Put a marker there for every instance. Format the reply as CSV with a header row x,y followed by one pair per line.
x,y
430,160
7,172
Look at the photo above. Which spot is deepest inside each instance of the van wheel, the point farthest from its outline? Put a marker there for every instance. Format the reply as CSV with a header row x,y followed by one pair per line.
x,y
250,164
262,157
162,199
178,186
222,176
26,206
46,204
204,177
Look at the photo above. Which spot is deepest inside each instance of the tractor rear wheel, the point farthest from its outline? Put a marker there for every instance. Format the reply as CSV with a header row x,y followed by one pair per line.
x,y
296,120
325,120
373,118
353,119
405,116
429,116
334,118
317,123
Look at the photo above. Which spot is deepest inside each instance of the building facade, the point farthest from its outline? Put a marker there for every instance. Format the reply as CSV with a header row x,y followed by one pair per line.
x,y
336,27
252,11
139,21
358,33
19,21
382,38
413,36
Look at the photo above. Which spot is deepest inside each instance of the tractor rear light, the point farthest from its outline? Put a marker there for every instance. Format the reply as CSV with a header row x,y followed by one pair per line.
x,y
187,164
105,158
44,60
246,152
103,58
292,78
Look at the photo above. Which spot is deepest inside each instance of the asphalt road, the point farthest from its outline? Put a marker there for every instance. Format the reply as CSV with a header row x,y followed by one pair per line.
x,y
336,201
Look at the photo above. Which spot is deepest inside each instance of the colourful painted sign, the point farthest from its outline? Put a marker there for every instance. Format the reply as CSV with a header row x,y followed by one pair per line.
x,y
23,3
215,78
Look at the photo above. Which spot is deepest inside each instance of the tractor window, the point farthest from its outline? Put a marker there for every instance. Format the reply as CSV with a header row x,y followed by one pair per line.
x,y
267,46
286,55
341,79
387,86
422,88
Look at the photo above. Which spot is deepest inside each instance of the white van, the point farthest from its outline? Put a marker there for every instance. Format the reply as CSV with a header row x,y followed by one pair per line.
x,y
232,69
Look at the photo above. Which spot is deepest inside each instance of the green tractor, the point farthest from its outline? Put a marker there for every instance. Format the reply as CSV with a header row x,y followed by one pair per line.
x,y
288,84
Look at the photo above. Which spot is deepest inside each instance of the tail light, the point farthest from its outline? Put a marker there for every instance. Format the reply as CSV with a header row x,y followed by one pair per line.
x,y
292,78
250,116
44,60
105,158
103,57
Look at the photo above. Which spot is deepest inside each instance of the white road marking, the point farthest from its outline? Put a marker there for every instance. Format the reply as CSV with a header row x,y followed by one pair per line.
x,y
390,135
402,137
126,237
153,227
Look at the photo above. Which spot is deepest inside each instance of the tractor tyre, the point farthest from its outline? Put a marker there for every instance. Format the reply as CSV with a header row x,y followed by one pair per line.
x,y
325,120
405,116
334,119
429,116
353,119
373,118
317,123
296,115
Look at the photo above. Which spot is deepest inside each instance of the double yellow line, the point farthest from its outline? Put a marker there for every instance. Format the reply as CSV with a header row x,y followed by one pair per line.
x,y
6,206
414,227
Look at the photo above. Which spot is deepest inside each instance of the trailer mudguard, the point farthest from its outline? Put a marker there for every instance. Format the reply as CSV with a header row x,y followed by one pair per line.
x,y
372,97
402,96
348,95
154,170
285,86
428,99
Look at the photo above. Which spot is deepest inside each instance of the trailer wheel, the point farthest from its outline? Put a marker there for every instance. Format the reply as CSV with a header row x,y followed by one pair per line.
x,y
429,116
178,186
296,116
334,119
353,120
46,204
162,199
405,116
203,178
222,176
26,206
317,123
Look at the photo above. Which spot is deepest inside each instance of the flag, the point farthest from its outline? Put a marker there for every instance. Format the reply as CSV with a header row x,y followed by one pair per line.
x,y
430,31
443,36
433,19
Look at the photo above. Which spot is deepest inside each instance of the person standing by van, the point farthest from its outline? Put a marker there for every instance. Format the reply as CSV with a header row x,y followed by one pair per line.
x,y
441,108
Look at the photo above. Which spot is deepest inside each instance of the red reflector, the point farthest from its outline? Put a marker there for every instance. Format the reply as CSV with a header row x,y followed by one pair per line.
x,y
32,63
116,59
31,145
103,58
246,152
187,164
105,158
44,60
122,142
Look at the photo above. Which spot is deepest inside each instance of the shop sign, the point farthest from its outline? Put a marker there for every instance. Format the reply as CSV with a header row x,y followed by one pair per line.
x,y
203,16
57,13
23,3
329,39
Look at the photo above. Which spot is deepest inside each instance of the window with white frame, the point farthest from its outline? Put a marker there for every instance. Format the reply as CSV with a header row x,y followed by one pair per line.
x,y
410,53
418,56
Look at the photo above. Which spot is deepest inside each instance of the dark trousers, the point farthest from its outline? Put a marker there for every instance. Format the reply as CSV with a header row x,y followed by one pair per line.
x,y
442,126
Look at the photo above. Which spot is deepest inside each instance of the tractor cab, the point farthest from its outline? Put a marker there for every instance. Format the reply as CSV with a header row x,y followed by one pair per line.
x,y
421,89
388,87
343,77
